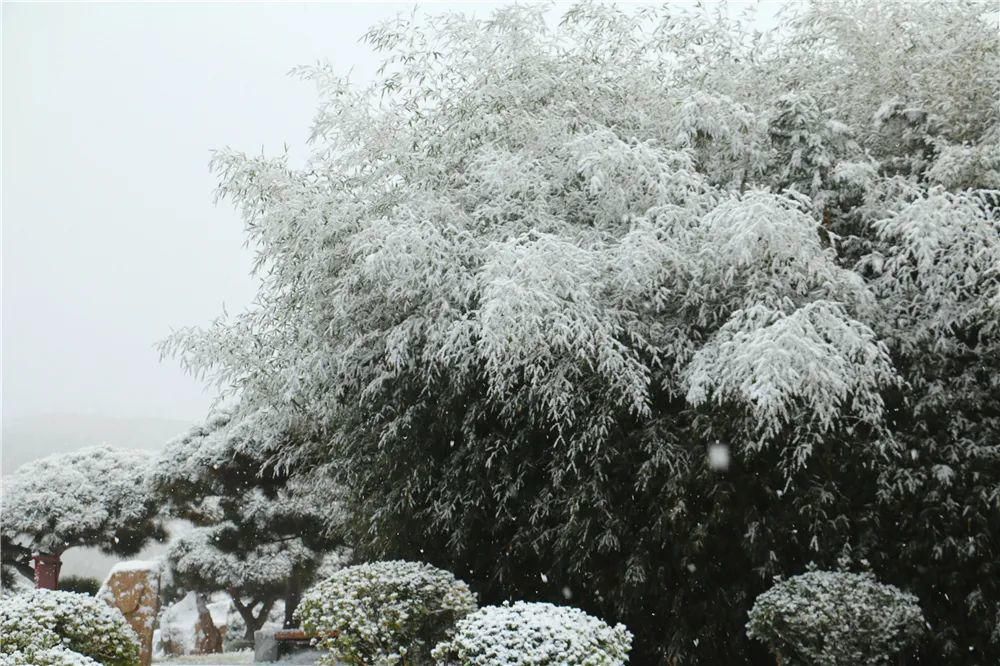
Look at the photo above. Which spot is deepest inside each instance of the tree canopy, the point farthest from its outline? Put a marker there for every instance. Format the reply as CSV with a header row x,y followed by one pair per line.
x,y
260,534
97,496
532,271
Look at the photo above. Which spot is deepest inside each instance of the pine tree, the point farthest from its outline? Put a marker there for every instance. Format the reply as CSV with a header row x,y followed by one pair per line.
x,y
96,496
260,534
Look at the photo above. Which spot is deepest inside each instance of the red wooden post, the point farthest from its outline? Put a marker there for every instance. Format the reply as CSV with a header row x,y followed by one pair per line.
x,y
47,571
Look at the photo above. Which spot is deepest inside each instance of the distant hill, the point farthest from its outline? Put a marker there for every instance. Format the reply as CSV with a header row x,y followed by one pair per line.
x,y
29,438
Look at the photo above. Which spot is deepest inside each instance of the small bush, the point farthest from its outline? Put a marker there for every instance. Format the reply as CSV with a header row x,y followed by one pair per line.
x,y
80,585
46,627
385,613
824,618
53,656
538,634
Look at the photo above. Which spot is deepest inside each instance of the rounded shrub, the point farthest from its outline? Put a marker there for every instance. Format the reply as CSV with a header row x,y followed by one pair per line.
x,y
535,634
80,585
44,627
824,618
385,613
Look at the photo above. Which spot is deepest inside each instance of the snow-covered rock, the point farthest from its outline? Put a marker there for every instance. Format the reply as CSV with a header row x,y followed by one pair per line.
x,y
133,587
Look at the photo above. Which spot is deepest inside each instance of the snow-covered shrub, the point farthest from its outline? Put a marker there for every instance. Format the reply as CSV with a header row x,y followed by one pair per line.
x,y
44,627
384,613
824,618
56,655
535,634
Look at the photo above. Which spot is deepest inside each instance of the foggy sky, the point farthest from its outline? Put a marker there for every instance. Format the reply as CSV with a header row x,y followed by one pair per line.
x,y
110,236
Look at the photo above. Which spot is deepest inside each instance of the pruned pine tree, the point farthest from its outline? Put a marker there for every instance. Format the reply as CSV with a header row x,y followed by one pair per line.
x,y
260,534
534,270
97,496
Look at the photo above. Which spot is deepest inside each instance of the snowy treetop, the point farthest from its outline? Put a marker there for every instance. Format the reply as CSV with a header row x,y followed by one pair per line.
x,y
574,221
533,271
95,496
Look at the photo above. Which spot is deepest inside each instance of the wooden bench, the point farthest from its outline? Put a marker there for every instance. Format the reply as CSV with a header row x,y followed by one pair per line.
x,y
271,646
299,635
291,635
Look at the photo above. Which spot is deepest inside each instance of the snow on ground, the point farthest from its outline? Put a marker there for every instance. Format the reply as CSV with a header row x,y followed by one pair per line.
x,y
135,565
230,658
244,657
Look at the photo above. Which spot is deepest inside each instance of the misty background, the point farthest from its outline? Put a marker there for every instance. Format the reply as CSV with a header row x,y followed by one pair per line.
x,y
110,235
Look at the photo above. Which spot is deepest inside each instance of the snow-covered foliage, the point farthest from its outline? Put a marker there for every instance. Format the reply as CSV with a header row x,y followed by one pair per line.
x,y
46,627
826,618
96,496
385,613
941,271
12,583
534,634
223,468
761,357
261,534
57,655
534,271
196,555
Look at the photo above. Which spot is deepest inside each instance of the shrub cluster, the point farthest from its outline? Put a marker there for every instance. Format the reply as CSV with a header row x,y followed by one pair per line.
x,y
824,618
80,584
51,628
534,634
398,612
385,613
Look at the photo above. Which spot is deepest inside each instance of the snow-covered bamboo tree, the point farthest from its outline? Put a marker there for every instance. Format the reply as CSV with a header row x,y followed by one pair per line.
x,y
532,272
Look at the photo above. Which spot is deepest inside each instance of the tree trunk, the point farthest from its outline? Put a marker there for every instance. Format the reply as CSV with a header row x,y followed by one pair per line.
x,y
47,568
208,638
252,622
17,557
293,596
22,567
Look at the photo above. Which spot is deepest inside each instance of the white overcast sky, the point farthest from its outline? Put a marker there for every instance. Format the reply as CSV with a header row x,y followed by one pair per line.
x,y
110,237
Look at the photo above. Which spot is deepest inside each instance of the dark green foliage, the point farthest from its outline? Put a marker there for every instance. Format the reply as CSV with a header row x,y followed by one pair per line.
x,y
642,532
509,306
79,584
